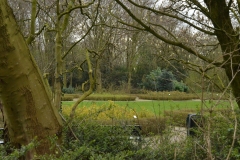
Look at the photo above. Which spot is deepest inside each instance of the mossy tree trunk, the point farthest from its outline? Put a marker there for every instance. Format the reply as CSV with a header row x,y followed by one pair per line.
x,y
58,72
61,26
27,106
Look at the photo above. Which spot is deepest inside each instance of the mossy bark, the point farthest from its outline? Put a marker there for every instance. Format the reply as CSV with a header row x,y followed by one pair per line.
x,y
27,106
58,72
60,28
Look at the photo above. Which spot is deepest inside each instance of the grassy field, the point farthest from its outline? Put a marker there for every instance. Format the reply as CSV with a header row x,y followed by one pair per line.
x,y
153,115
155,107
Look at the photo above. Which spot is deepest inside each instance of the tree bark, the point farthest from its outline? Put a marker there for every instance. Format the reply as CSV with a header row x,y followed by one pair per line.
x,y
64,74
60,28
229,42
58,72
27,106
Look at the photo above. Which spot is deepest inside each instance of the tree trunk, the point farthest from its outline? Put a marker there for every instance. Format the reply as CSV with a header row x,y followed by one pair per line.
x,y
27,106
60,28
58,72
64,74
129,86
71,80
98,76
229,41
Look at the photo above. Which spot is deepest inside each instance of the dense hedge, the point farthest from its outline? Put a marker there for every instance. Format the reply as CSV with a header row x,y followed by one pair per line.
x,y
174,95
67,98
100,97
112,98
168,96
153,126
177,118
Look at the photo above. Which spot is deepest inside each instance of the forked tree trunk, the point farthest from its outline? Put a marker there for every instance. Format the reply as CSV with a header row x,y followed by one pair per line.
x,y
27,106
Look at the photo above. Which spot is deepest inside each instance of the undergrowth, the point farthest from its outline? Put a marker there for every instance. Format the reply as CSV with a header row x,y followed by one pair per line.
x,y
89,140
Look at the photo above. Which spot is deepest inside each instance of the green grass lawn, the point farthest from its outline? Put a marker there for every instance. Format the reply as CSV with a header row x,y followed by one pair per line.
x,y
156,107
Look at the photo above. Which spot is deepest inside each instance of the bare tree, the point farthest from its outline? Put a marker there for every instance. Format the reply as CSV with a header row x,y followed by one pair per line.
x,y
216,19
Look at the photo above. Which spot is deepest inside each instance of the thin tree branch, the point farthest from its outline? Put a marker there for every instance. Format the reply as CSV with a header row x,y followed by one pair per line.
x,y
93,23
176,17
73,8
175,43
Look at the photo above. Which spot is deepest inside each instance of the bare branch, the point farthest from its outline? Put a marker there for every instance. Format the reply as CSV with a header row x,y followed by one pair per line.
x,y
87,93
177,17
73,8
68,51
175,43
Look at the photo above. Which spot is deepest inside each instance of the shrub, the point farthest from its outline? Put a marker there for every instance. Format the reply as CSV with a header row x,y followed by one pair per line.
x,y
111,98
180,86
96,141
163,80
101,139
103,142
68,90
67,98
113,114
111,142
159,80
110,112
8,152
153,126
174,95
73,95
177,118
